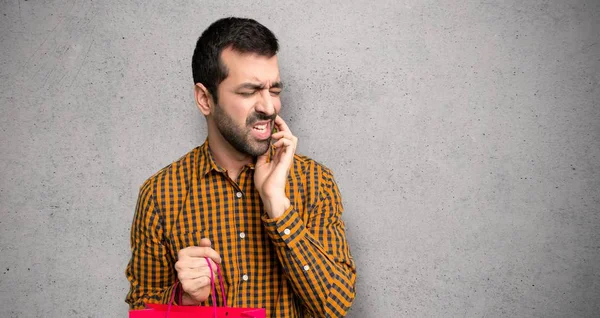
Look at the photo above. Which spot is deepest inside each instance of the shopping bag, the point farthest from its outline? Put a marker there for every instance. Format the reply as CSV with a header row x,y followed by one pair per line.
x,y
173,311
162,311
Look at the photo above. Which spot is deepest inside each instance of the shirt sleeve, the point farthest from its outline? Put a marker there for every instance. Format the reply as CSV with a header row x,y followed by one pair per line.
x,y
150,270
315,255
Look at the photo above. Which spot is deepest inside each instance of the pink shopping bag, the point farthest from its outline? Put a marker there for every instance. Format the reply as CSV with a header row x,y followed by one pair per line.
x,y
173,311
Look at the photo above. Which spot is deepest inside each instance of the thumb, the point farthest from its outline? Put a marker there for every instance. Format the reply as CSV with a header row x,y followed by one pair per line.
x,y
205,242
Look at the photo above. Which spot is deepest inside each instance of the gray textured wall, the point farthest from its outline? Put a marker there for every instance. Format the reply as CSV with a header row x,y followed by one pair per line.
x,y
464,137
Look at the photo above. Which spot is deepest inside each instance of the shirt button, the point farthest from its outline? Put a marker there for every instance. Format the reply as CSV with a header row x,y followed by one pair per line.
x,y
239,194
286,231
242,234
306,267
245,278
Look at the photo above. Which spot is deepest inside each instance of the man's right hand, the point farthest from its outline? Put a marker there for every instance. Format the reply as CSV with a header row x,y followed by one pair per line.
x,y
193,271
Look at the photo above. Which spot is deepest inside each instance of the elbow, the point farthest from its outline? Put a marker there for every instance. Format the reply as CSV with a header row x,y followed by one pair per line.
x,y
339,299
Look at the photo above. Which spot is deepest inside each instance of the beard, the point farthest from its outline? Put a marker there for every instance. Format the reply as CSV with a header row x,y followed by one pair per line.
x,y
241,138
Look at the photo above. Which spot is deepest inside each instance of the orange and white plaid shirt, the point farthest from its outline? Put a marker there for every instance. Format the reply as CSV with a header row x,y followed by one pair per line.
x,y
298,265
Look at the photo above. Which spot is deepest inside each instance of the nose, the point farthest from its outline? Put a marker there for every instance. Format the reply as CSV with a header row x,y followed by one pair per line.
x,y
265,103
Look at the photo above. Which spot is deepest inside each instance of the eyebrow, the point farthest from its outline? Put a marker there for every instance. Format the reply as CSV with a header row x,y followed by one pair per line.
x,y
254,86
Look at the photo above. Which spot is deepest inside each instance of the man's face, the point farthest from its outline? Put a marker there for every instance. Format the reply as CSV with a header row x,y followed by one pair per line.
x,y
248,101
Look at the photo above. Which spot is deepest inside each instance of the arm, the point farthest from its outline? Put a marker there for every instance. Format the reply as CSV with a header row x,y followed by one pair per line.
x,y
315,255
150,270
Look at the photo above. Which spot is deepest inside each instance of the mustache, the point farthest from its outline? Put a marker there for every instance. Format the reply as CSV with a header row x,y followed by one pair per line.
x,y
256,117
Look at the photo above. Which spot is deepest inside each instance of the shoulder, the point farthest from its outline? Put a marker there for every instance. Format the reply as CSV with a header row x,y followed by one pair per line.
x,y
315,179
176,174
305,163
312,169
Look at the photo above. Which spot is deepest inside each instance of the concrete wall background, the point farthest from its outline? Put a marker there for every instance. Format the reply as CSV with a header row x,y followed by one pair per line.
x,y
465,137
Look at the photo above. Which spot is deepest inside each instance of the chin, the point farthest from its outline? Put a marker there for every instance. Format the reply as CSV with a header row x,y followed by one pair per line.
x,y
261,147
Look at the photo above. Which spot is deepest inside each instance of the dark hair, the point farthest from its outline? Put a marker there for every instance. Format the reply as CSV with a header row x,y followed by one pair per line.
x,y
242,35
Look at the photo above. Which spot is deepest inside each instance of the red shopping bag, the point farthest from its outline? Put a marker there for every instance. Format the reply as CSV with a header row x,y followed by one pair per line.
x,y
173,311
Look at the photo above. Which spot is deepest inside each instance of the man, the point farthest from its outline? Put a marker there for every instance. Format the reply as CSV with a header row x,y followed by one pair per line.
x,y
270,218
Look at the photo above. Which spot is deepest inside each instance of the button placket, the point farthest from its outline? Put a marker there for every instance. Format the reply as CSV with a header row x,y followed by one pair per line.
x,y
242,226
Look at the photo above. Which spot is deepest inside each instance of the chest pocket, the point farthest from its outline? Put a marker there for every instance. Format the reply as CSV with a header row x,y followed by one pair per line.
x,y
181,240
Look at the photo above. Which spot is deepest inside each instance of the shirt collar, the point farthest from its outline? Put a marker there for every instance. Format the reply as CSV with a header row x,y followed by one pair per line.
x,y
207,163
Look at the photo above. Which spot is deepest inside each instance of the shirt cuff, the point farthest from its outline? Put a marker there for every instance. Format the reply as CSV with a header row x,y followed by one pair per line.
x,y
285,230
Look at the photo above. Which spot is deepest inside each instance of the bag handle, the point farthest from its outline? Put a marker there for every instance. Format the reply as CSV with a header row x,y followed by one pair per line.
x,y
212,284
212,287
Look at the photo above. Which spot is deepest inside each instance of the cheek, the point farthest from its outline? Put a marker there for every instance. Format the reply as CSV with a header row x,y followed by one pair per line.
x,y
277,104
238,109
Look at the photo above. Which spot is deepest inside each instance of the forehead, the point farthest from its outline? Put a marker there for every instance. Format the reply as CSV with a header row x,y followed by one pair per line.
x,y
250,67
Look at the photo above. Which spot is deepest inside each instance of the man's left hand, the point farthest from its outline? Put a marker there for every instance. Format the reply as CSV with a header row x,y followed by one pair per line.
x,y
270,177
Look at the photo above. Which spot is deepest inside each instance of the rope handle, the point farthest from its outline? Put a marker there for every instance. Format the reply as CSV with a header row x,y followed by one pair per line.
x,y
212,284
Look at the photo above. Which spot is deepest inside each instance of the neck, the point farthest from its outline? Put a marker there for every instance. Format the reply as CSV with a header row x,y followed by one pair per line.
x,y
225,155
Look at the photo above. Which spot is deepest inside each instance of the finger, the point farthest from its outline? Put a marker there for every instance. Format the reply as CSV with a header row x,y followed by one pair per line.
x,y
281,125
283,134
205,242
282,143
200,251
194,285
285,152
290,137
285,144
192,274
194,263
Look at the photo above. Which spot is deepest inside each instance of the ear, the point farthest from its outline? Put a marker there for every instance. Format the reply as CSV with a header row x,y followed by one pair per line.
x,y
203,99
